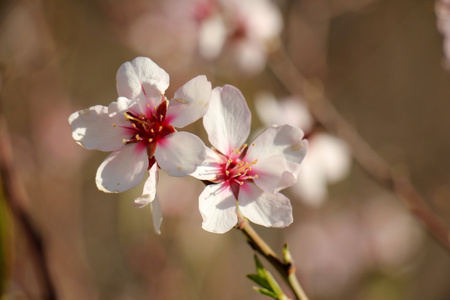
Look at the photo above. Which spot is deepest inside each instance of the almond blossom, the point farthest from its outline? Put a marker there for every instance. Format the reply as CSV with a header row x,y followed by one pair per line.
x,y
245,177
242,31
139,129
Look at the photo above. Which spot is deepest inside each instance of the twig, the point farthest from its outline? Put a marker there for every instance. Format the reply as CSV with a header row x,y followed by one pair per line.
x,y
15,197
285,269
325,114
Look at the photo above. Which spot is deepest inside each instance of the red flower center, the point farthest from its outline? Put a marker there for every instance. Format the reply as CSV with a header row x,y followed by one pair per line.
x,y
235,171
150,127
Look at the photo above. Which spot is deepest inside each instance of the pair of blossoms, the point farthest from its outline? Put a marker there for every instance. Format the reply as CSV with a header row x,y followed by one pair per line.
x,y
139,129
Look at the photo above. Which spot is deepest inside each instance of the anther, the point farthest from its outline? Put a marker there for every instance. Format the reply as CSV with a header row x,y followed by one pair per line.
x,y
114,125
150,140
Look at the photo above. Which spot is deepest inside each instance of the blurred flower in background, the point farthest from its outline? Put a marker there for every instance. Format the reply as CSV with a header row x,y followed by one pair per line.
x,y
442,8
242,32
236,34
328,159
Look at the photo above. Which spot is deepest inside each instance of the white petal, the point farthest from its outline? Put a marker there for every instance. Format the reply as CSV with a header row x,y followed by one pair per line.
x,y
180,153
149,192
94,128
250,56
228,119
291,111
210,167
120,106
212,36
273,174
142,79
282,140
311,186
266,209
157,215
123,169
218,208
332,155
190,102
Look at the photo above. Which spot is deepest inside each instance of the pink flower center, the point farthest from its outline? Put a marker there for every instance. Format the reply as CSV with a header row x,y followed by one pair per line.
x,y
236,171
148,128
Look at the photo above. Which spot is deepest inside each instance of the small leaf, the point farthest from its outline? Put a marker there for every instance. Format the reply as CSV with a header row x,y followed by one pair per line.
x,y
275,287
259,267
260,281
266,292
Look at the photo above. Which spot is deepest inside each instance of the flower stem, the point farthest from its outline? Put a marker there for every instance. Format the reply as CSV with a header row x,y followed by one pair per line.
x,y
285,268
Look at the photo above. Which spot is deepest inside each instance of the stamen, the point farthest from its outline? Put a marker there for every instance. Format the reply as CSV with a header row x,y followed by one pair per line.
x,y
150,140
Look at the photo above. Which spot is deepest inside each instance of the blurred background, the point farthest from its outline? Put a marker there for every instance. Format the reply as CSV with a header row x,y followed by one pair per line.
x,y
382,64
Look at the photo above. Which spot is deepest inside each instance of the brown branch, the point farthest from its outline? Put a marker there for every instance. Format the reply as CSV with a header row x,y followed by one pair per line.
x,y
325,114
15,197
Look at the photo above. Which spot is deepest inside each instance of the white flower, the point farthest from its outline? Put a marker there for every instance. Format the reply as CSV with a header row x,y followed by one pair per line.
x,y
328,160
242,31
244,177
139,128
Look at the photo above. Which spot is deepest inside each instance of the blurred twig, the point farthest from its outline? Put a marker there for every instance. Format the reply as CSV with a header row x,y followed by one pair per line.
x,y
325,113
15,196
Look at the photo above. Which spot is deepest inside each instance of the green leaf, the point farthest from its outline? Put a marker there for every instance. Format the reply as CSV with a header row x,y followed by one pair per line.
x,y
275,287
266,292
268,285
260,281
259,267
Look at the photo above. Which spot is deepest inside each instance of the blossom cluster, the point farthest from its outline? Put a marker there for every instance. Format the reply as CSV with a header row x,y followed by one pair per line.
x,y
140,130
243,31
